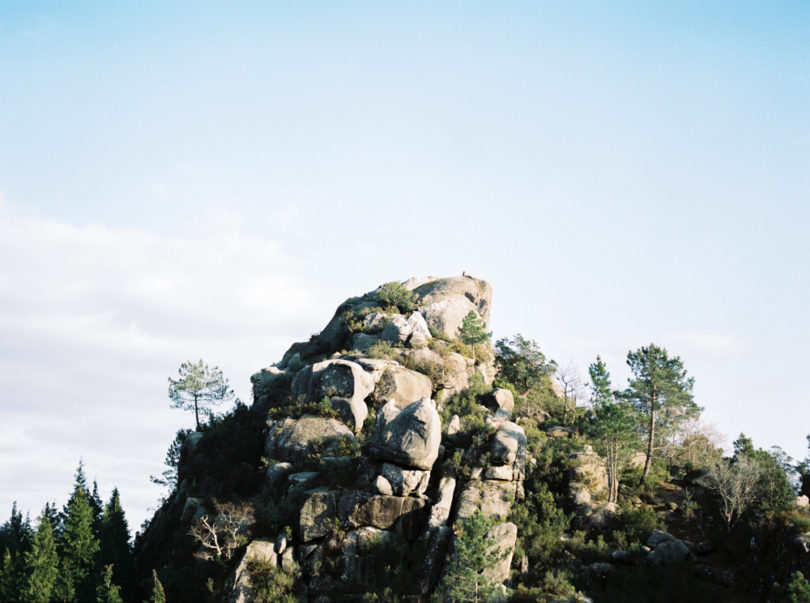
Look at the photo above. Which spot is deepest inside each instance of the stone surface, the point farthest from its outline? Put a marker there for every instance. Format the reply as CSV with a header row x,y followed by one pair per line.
x,y
500,472
669,552
277,473
397,331
802,501
502,537
241,587
363,341
263,382
317,515
409,437
582,497
362,551
405,482
376,322
558,432
493,498
281,543
508,443
405,514
445,302
293,440
453,427
499,399
401,385
383,486
440,511
657,537
193,509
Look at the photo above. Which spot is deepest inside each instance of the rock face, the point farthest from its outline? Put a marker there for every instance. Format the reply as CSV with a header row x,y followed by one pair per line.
x,y
401,385
445,302
345,383
258,550
409,437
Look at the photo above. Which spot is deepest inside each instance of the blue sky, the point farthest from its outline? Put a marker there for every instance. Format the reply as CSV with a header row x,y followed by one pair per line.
x,y
211,180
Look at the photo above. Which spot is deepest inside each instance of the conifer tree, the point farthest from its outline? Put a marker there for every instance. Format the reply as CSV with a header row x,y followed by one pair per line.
x,y
79,549
106,591
659,389
158,594
612,426
199,388
473,330
466,578
115,549
42,563
15,540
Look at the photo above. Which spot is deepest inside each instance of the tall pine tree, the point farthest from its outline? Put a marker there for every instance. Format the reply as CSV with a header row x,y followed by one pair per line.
x,y
659,389
115,549
42,563
79,551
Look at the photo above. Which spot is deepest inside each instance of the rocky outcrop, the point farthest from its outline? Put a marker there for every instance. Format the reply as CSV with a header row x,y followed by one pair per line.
x,y
242,587
401,385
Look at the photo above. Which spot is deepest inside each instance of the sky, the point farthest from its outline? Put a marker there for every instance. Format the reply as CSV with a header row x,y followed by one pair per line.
x,y
210,180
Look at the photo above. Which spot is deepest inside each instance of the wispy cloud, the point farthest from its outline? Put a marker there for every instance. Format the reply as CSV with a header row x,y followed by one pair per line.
x,y
92,322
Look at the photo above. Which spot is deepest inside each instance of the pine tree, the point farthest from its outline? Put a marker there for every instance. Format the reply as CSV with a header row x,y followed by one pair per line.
x,y
80,549
158,595
107,592
199,388
466,577
612,426
42,563
16,536
115,549
659,389
473,330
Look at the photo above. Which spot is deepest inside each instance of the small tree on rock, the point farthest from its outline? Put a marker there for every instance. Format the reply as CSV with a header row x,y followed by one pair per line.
x,y
473,330
199,388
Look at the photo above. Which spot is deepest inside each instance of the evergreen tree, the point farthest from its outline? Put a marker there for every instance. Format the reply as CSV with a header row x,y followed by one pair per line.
x,y
115,549
98,508
158,594
473,330
106,591
521,363
80,549
42,563
8,582
612,426
659,389
467,578
199,388
16,537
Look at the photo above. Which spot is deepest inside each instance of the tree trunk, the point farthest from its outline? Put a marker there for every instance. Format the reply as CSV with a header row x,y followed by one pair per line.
x,y
649,443
196,413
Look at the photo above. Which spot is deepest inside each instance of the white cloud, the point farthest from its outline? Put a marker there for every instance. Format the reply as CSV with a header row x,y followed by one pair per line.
x,y
92,322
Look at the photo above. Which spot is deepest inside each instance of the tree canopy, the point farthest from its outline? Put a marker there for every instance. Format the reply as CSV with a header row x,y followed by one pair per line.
x,y
660,389
199,388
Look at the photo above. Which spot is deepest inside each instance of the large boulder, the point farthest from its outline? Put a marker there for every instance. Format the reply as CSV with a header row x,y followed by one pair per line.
x,y
404,514
493,498
499,399
364,550
401,385
445,302
264,382
343,381
409,437
398,330
440,512
508,444
294,440
316,518
405,481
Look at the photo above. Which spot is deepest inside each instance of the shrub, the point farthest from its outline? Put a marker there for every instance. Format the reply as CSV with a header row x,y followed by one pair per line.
x,y
395,295
270,584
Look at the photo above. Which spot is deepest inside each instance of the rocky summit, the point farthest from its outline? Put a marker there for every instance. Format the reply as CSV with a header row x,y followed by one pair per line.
x,y
398,455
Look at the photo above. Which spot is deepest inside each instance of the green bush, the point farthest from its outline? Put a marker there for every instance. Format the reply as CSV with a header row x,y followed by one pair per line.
x,y
395,295
270,584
